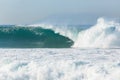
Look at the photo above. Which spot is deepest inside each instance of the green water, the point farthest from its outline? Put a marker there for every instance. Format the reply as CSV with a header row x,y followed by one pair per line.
x,y
32,37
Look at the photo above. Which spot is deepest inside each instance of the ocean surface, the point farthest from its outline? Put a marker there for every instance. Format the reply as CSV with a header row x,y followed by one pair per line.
x,y
60,52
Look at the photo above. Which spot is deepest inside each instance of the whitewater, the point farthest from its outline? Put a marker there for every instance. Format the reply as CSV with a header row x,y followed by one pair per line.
x,y
60,52
105,34
59,64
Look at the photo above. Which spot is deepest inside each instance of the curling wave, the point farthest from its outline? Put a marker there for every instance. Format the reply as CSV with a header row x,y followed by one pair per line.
x,y
105,34
32,37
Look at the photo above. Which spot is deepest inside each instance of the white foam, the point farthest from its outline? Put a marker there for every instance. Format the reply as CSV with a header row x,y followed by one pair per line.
x,y
105,34
59,64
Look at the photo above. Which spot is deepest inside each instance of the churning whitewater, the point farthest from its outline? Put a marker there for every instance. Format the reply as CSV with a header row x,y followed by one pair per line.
x,y
105,34
59,64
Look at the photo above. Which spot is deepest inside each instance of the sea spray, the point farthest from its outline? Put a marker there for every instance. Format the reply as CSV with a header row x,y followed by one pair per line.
x,y
105,34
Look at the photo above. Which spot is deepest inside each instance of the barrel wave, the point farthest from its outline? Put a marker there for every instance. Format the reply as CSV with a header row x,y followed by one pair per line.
x,y
31,37
104,34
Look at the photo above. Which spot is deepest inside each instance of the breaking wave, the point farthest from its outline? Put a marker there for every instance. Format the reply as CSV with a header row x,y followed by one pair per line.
x,y
32,37
105,34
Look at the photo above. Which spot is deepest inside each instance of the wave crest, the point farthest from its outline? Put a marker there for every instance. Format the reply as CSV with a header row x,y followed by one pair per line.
x,y
105,34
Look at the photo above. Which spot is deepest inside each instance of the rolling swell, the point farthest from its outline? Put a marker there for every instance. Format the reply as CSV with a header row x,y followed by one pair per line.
x,y
32,37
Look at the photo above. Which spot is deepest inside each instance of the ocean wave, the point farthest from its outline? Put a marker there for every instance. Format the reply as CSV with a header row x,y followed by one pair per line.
x,y
70,31
32,37
105,34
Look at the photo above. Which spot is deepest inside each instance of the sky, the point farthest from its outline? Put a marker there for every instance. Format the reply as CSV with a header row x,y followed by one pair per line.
x,y
35,11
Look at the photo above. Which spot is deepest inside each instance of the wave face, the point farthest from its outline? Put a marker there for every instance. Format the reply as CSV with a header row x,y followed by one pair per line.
x,y
30,37
105,34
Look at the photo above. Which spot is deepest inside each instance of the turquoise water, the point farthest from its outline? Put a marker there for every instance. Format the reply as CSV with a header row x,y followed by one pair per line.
x,y
12,36
30,37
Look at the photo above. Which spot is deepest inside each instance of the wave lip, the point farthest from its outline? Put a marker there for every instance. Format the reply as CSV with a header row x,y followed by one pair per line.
x,y
105,34
65,30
